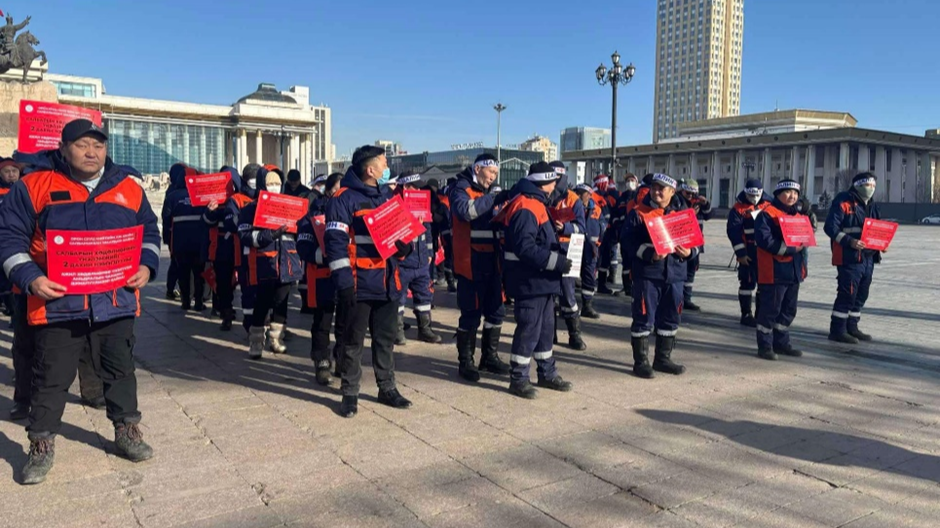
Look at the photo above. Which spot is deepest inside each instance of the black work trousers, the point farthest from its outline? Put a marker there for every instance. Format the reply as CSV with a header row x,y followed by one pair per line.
x,y
320,332
381,319
23,346
58,347
273,297
224,288
190,266
172,275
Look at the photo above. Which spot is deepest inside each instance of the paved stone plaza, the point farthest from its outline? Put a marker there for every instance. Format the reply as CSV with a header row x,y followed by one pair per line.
x,y
845,436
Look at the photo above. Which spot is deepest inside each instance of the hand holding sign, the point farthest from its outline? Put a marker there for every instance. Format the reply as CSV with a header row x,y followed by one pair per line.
x,y
86,262
389,223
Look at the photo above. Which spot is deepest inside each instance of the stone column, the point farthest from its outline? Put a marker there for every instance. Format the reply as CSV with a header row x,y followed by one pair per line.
x,y
242,154
896,175
714,172
671,166
809,184
631,166
650,165
203,154
881,171
844,152
259,147
794,162
864,158
765,176
739,174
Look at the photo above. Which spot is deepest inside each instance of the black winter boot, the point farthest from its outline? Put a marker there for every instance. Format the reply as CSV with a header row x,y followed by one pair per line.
x,y
587,308
424,328
662,361
228,317
574,333
129,442
466,346
602,286
523,389
489,356
641,357
858,334
40,461
400,333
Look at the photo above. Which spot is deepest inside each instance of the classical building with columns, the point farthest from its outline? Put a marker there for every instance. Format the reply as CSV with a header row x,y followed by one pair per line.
x,y
266,126
821,150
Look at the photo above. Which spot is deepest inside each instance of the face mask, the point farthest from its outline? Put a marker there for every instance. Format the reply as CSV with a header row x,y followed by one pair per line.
x,y
865,192
753,198
274,189
631,185
386,174
252,184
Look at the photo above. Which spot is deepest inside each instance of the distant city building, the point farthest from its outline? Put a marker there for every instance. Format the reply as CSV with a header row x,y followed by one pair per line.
x,y
821,150
698,62
776,122
265,126
932,133
391,148
584,138
541,144
514,167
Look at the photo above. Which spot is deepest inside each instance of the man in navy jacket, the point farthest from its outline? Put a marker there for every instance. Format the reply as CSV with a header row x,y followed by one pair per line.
x,y
83,191
368,287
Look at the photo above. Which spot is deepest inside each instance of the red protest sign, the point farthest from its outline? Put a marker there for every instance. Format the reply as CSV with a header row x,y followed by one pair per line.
x,y
88,262
210,278
878,234
561,215
797,231
319,229
419,203
205,188
439,256
41,124
389,223
275,210
677,229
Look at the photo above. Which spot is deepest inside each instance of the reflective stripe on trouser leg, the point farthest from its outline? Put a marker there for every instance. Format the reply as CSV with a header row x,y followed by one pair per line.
x,y
861,297
655,304
849,280
568,300
544,359
534,319
788,305
771,301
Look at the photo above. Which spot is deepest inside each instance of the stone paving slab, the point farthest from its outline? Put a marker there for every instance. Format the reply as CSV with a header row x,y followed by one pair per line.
x,y
845,436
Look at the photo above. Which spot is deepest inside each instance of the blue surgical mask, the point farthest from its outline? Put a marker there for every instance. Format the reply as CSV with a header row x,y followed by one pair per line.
x,y
386,175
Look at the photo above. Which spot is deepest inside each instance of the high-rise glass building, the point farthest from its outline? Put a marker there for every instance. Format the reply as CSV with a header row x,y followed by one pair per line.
x,y
698,62
584,138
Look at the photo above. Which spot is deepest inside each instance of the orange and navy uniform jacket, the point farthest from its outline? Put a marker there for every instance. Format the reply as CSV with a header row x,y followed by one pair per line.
x,y
474,240
592,223
269,260
635,237
740,226
777,263
619,211
844,224
224,243
320,290
531,253
49,199
570,200
351,255
183,227
641,193
601,203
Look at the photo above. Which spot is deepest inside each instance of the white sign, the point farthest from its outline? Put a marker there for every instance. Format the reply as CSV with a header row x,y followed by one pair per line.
x,y
575,254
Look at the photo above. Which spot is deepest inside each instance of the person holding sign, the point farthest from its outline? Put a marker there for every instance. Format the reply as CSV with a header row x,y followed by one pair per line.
x,y
854,261
82,190
751,201
780,270
703,212
479,288
563,200
185,232
273,265
533,268
658,280
592,225
319,294
368,286
416,270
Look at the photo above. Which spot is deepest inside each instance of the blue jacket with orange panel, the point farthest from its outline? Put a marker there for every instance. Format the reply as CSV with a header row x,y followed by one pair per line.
x,y
50,199
531,253
351,254
777,263
224,243
183,227
268,260
844,224
320,288
568,199
473,237
636,237
740,226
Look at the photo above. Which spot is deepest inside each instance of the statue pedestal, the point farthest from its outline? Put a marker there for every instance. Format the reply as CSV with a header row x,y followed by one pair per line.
x,y
11,93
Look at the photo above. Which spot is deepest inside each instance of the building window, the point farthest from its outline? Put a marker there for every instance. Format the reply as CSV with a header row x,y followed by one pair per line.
x,y
76,89
872,152
888,157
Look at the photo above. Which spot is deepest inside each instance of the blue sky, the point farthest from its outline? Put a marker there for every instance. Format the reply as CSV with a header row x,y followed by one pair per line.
x,y
427,73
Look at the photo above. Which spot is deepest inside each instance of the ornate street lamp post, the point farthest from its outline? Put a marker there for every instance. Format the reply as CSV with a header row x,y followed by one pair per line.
x,y
615,76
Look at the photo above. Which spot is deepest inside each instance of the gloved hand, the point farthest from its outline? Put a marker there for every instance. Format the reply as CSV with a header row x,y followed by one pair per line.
x,y
403,249
346,297
501,197
276,234
566,266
